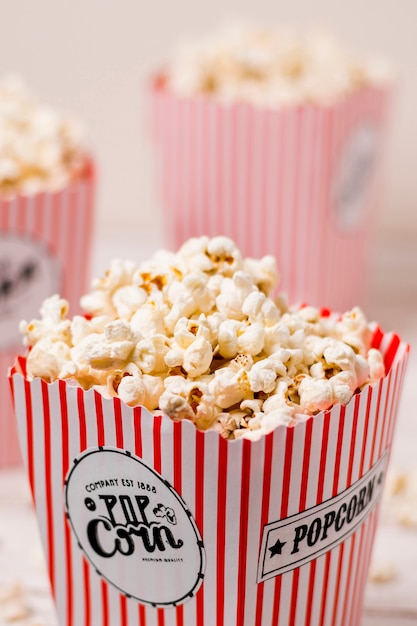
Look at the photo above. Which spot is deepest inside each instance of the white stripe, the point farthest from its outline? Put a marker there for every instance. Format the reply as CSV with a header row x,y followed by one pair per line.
x,y
77,563
21,422
318,588
39,456
233,516
284,607
254,515
211,469
277,472
58,507
188,495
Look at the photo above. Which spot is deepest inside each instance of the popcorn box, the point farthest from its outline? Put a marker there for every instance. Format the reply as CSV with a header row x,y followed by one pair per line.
x,y
301,182
149,521
45,242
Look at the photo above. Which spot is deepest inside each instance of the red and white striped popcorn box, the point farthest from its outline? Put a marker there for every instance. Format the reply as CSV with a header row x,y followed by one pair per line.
x,y
150,522
45,243
301,182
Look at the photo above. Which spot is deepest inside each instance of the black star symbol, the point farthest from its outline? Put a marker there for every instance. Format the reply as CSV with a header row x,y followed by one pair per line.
x,y
277,548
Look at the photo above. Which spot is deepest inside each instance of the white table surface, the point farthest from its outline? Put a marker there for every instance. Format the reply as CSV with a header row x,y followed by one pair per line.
x,y
393,302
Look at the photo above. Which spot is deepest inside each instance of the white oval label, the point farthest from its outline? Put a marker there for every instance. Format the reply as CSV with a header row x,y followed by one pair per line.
x,y
28,275
134,527
353,177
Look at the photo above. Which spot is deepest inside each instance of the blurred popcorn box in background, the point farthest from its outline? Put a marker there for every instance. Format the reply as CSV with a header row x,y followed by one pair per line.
x,y
275,141
149,520
46,217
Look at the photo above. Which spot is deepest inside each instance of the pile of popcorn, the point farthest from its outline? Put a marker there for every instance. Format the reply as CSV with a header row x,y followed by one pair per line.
x,y
40,149
271,67
199,335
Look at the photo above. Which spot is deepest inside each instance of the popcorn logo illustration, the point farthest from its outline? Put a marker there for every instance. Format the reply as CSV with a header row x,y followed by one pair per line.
x,y
14,280
134,527
27,275
163,511
297,540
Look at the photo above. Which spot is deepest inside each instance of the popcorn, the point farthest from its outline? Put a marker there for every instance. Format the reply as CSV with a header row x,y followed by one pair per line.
x,y
135,388
400,496
13,604
40,149
269,67
198,335
382,572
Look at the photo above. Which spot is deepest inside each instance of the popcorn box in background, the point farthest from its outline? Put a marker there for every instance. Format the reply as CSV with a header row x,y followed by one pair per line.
x,y
46,211
149,521
45,242
298,177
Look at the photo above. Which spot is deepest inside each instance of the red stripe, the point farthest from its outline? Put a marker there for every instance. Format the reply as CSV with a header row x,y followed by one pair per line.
x,y
29,436
64,427
86,597
310,593
393,409
177,426
294,596
68,564
323,457
142,615
349,579
377,338
372,525
119,444
353,441
161,617
287,472
340,433
199,512
65,467
48,486
243,532
334,493
286,479
367,529
137,424
301,507
105,603
118,422
319,499
324,590
377,421
390,353
306,463
123,611
355,572
82,421
221,530
157,458
366,431
338,579
99,418
266,489
382,444
335,487
101,442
